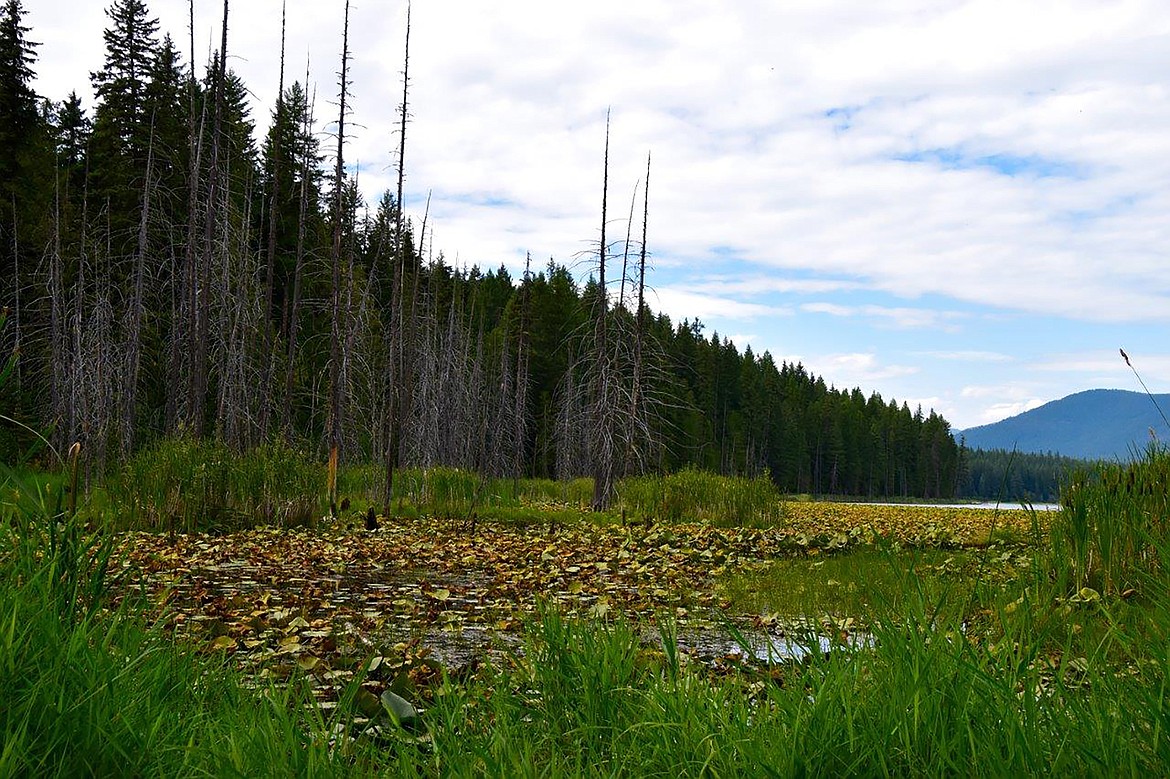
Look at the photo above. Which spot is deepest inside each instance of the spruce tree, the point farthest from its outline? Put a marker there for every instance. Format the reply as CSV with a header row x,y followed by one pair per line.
x,y
25,188
19,120
122,122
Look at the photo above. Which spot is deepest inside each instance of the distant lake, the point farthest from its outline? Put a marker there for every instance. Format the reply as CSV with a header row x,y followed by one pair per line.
x,y
988,505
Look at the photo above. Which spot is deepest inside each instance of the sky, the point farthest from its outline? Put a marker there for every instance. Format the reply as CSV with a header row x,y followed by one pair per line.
x,y
959,204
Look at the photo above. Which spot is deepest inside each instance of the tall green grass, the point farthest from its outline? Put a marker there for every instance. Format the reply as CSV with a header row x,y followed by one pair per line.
x,y
700,496
592,699
90,690
1114,525
1036,685
186,485
182,485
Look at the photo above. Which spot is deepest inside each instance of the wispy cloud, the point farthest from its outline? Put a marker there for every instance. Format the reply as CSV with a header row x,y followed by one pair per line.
x,y
999,411
968,356
906,318
856,369
683,304
756,285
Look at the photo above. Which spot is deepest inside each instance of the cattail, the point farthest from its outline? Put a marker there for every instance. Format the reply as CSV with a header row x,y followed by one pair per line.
x,y
1149,394
74,455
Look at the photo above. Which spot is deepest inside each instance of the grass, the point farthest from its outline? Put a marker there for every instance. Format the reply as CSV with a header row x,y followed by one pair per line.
x,y
184,485
699,496
181,485
91,690
1059,668
1116,525
590,699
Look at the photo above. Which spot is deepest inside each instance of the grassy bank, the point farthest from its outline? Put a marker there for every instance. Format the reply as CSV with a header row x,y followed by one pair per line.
x,y
187,486
1044,654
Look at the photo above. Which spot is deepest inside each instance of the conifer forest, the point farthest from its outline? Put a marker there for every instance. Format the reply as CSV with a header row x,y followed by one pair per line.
x,y
175,265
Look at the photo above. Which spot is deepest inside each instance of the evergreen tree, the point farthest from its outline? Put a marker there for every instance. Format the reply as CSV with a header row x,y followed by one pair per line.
x,y
71,138
25,181
19,119
291,160
122,123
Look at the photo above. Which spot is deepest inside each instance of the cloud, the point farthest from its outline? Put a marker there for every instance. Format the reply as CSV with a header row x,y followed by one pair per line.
x,y
969,356
1000,411
993,402
1105,368
900,317
855,369
682,304
749,284
1013,159
956,181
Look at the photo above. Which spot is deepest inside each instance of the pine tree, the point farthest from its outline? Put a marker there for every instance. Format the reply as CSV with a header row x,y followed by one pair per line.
x,y
25,180
121,85
122,124
19,119
71,136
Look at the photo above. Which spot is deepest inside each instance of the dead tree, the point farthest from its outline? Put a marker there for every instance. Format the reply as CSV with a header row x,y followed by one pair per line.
x,y
336,388
602,409
202,309
135,309
274,195
185,332
520,386
639,416
58,342
396,384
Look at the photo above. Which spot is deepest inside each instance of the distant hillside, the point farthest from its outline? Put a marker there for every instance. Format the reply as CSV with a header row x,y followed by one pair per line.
x,y
1095,424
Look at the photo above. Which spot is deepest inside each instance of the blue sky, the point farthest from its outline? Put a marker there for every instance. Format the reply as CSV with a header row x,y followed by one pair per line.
x,y
959,204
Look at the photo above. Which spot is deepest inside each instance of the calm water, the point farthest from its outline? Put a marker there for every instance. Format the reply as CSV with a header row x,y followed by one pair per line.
x,y
990,505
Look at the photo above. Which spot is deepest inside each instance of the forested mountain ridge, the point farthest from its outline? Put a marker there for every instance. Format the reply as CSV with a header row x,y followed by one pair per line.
x,y
1099,424
170,272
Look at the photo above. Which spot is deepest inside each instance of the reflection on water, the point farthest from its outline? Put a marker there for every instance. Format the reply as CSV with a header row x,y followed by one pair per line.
x,y
765,647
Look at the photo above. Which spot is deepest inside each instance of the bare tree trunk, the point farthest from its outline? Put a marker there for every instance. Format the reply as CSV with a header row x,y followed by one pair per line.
x,y
199,382
16,281
268,322
602,422
520,387
180,413
626,247
134,326
636,400
57,340
336,392
396,383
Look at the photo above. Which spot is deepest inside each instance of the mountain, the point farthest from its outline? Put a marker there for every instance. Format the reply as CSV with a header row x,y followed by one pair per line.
x,y
1095,424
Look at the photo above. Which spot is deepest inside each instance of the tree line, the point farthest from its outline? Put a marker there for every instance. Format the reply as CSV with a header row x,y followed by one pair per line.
x,y
999,474
170,269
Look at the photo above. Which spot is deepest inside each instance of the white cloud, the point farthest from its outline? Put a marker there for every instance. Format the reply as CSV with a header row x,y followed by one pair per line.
x,y
900,317
1000,411
969,356
754,285
681,304
856,369
951,158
